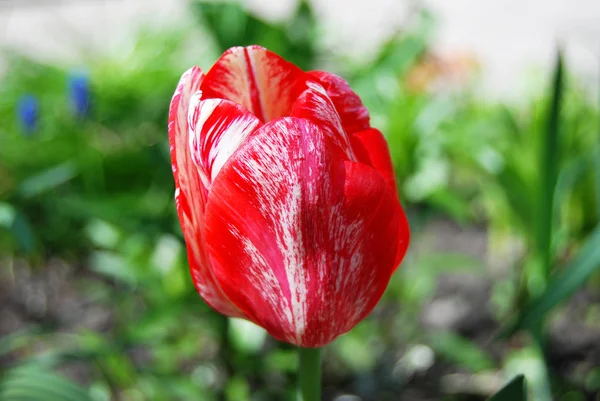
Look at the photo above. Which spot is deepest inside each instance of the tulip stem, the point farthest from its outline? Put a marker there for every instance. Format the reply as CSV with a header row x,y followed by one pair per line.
x,y
309,374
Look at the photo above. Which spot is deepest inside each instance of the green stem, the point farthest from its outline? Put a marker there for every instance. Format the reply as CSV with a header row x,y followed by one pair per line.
x,y
309,374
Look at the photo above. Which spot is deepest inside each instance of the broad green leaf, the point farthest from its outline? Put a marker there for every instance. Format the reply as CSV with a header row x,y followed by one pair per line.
x,y
514,390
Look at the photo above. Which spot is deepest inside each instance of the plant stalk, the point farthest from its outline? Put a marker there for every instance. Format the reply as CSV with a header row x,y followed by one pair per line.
x,y
309,374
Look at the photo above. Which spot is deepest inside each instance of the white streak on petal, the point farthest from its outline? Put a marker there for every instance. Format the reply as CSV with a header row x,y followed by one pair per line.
x,y
212,143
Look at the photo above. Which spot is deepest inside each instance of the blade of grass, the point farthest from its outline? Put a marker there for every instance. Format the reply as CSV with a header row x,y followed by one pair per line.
x,y
564,284
549,163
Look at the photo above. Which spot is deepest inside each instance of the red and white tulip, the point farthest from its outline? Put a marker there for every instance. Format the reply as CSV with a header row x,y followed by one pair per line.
x,y
286,196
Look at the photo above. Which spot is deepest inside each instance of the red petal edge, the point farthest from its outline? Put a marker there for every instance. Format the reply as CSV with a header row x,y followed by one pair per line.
x,y
315,105
190,195
218,127
255,78
354,115
371,148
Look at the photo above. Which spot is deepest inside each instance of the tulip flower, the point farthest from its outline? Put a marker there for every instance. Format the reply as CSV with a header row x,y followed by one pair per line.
x,y
286,196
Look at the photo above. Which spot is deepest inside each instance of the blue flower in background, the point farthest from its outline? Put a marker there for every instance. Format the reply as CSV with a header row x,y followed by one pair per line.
x,y
28,113
80,95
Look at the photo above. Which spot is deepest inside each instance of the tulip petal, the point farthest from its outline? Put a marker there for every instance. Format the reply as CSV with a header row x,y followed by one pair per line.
x,y
255,78
315,105
372,149
217,127
354,115
190,195
303,241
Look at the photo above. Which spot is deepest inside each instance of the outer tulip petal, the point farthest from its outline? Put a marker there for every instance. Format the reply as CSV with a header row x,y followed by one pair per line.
x,y
315,105
372,149
190,195
255,78
354,115
302,241
217,128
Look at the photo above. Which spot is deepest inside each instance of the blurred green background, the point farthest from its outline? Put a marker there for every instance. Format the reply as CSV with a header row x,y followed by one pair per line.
x,y
503,200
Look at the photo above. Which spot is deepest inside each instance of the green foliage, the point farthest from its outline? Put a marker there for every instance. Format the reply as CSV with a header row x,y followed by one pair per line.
x,y
460,351
231,25
549,163
99,193
32,383
561,285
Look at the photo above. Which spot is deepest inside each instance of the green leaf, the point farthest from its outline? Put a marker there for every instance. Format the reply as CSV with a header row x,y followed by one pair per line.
x,y
18,225
460,351
13,341
561,286
232,25
7,215
21,230
548,173
48,179
514,390
597,166
518,194
33,383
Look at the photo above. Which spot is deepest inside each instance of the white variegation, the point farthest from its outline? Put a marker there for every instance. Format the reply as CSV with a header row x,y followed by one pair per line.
x,y
316,105
212,144
190,196
291,222
258,80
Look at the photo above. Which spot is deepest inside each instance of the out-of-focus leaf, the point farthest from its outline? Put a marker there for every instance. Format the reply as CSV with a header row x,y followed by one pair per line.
x,y
548,173
450,202
21,229
48,179
514,390
7,215
401,52
518,194
231,25
246,336
460,351
597,163
561,285
529,361
597,179
113,266
16,340
511,122
18,225
32,383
